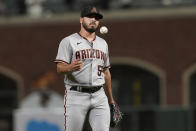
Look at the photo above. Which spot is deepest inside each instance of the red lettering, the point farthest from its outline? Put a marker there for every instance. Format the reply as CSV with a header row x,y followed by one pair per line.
x,y
87,53
83,54
77,54
102,55
97,54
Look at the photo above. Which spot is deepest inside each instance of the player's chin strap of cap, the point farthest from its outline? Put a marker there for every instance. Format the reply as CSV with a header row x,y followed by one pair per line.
x,y
86,89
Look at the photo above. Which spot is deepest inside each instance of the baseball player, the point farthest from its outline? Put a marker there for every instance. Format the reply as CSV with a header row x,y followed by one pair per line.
x,y
83,58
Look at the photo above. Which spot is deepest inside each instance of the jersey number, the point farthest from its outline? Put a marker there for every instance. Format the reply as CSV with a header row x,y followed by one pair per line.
x,y
100,70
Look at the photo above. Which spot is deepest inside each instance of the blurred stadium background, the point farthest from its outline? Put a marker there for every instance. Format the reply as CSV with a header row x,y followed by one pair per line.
x,y
152,48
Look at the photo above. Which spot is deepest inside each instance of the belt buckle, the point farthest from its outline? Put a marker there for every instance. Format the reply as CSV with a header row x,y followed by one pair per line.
x,y
92,90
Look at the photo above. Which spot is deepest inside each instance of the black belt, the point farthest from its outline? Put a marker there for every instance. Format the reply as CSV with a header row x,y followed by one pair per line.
x,y
85,89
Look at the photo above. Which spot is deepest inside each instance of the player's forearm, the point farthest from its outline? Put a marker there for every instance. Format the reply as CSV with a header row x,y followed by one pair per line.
x,y
107,86
63,68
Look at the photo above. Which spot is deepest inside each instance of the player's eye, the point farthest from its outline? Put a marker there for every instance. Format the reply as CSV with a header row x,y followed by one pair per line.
x,y
94,16
97,18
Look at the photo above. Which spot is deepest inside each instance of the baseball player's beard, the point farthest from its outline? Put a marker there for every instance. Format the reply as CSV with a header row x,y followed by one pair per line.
x,y
90,30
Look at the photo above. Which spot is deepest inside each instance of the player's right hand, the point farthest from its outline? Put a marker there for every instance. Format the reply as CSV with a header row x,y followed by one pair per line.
x,y
76,65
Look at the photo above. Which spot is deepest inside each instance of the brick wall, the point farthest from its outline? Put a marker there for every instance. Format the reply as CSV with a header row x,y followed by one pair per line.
x,y
168,43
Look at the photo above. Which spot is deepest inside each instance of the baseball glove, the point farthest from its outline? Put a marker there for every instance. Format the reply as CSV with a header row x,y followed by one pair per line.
x,y
116,115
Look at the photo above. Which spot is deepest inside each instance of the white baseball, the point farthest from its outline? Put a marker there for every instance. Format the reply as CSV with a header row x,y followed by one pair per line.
x,y
103,30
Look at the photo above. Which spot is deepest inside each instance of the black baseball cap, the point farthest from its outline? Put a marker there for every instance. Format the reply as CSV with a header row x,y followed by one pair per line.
x,y
90,11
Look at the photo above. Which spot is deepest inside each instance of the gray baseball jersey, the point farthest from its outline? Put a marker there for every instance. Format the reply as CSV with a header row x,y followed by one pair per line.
x,y
95,59
94,56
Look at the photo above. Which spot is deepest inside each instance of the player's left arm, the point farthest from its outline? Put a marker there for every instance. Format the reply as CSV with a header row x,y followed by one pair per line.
x,y
116,114
107,86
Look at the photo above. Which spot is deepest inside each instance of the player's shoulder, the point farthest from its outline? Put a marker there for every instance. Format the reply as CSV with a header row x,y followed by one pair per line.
x,y
101,39
69,38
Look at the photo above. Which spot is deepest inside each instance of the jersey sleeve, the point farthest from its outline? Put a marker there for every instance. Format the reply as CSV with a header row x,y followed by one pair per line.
x,y
64,52
107,60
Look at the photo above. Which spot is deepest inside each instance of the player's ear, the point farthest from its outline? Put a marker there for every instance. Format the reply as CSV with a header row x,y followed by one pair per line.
x,y
81,19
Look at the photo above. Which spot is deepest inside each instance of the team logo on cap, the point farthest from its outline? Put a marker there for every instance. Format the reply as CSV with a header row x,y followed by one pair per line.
x,y
94,9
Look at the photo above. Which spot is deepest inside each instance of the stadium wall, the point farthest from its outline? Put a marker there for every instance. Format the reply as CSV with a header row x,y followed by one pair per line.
x,y
167,42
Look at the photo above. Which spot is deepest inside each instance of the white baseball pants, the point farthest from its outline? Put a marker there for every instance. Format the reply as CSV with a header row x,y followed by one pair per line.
x,y
78,104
